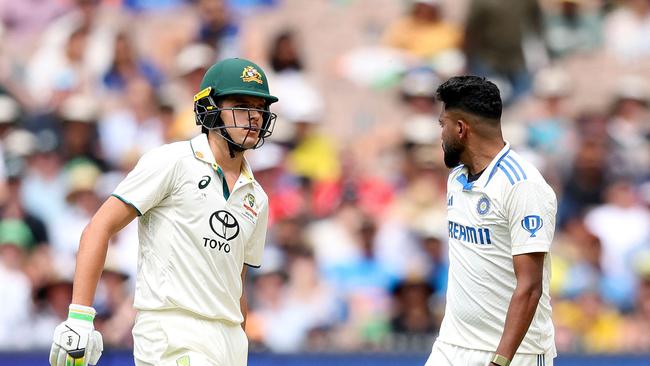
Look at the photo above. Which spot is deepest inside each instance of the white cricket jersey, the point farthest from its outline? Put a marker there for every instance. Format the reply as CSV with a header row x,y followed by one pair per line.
x,y
193,241
509,210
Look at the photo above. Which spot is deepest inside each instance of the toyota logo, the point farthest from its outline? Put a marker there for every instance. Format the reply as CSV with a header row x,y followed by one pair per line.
x,y
224,224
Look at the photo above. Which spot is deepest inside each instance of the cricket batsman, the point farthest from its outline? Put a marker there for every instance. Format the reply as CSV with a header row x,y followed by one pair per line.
x,y
202,220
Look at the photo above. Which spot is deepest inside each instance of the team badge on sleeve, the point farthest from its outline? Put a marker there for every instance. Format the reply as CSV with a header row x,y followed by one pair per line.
x,y
532,224
483,206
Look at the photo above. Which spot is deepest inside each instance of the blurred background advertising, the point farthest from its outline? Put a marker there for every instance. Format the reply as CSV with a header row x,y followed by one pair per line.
x,y
356,254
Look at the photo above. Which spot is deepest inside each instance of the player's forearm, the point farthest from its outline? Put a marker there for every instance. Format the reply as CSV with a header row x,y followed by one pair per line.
x,y
90,262
520,314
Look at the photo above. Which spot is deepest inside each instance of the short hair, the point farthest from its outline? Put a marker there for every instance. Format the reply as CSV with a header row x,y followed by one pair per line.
x,y
472,94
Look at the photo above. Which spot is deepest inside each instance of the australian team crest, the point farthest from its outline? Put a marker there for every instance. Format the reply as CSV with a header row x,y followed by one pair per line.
x,y
249,206
251,74
483,206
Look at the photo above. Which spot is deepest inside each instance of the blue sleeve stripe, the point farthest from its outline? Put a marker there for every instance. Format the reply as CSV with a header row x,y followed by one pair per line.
x,y
252,265
507,174
512,169
495,167
523,173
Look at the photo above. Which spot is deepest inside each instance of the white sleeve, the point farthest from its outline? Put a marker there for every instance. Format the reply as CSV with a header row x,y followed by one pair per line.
x,y
255,246
148,183
531,208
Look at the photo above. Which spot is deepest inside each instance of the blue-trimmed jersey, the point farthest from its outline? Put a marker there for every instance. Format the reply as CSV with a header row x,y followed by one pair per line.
x,y
510,210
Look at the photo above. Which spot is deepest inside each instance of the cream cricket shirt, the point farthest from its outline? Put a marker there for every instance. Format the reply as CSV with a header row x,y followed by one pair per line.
x,y
509,210
193,241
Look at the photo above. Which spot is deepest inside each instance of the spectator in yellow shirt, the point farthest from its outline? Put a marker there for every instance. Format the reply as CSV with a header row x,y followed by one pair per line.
x,y
423,32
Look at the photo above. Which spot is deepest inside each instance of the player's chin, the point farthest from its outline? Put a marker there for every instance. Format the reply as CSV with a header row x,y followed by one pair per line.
x,y
250,141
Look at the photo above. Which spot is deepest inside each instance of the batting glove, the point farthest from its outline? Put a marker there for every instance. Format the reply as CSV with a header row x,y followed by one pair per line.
x,y
76,342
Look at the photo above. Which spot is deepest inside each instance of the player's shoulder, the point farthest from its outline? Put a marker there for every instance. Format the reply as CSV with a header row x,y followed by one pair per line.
x,y
171,151
260,193
167,155
516,171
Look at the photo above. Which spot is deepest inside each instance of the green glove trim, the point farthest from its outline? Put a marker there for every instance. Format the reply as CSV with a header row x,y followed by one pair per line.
x,y
80,316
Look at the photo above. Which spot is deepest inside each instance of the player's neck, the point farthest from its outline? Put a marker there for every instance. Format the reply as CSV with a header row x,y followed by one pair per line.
x,y
480,154
222,157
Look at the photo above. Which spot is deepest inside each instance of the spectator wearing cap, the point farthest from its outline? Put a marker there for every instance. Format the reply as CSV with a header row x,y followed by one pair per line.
x,y
79,114
191,63
424,32
412,321
81,203
51,300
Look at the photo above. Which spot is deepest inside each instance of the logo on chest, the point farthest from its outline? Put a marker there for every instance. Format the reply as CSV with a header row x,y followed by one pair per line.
x,y
250,208
224,224
483,206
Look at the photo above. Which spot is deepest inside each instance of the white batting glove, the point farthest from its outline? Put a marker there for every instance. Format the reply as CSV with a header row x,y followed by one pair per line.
x,y
76,342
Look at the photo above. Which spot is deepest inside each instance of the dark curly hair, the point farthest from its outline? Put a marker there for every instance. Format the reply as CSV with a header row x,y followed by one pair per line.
x,y
471,94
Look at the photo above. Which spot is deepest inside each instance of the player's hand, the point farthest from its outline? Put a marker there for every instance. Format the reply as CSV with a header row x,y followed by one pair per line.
x,y
76,342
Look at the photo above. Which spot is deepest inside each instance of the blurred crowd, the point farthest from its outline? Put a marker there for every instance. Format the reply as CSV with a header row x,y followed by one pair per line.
x,y
356,252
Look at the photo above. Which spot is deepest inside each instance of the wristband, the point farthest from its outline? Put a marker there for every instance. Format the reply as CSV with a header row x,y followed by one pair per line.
x,y
80,312
500,360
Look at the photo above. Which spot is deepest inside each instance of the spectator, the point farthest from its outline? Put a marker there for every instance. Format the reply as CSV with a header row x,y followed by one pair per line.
x,y
128,65
629,129
79,114
15,239
217,28
424,32
495,33
621,209
412,312
571,26
131,131
626,30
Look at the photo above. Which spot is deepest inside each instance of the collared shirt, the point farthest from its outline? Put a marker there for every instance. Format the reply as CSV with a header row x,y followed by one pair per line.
x,y
509,210
194,238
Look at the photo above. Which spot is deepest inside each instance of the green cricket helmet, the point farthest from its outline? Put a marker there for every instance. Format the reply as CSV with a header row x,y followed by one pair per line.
x,y
234,76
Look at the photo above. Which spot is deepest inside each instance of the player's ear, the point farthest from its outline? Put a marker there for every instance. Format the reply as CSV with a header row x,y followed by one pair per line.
x,y
462,128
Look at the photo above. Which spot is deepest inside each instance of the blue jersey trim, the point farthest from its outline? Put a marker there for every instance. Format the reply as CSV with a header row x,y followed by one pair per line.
x,y
494,170
523,173
507,174
463,180
512,168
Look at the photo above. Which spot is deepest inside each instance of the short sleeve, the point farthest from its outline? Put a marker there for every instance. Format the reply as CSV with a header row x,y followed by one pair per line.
x,y
149,182
531,208
255,246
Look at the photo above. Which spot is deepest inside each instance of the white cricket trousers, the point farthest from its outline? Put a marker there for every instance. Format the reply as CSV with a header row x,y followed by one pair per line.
x,y
445,354
179,338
